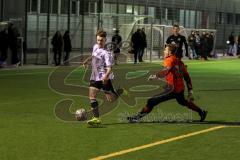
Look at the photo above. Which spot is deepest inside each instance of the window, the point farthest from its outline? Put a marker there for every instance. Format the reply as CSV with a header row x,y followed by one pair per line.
x,y
198,19
142,10
44,6
173,14
55,6
74,7
93,7
107,8
220,18
122,9
84,7
192,18
151,11
129,9
33,5
136,10
64,6
229,18
113,8
181,17
170,14
237,19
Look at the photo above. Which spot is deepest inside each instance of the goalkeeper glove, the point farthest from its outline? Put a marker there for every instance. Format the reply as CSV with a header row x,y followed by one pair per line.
x,y
151,77
190,95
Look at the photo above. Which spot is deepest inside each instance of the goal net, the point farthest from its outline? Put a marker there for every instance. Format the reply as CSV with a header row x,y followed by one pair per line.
x,y
158,34
83,34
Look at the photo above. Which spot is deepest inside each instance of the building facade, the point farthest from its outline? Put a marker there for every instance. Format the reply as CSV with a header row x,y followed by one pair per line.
x,y
39,19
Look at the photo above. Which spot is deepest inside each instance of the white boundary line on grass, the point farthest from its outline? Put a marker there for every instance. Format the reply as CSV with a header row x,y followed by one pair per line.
x,y
51,67
233,126
119,153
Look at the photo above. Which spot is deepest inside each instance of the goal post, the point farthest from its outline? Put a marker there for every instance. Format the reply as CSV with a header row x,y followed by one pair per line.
x,y
157,35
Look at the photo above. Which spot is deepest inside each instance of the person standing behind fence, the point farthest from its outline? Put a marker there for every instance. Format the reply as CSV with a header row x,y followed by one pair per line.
x,y
198,44
143,44
238,45
13,34
210,44
231,44
117,39
178,40
136,44
192,44
3,46
57,43
67,47
204,44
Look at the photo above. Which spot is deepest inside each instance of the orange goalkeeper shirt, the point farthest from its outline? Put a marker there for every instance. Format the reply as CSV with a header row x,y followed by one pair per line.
x,y
176,72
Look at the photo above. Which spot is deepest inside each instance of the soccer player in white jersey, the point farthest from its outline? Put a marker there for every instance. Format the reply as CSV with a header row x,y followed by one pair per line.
x,y
101,75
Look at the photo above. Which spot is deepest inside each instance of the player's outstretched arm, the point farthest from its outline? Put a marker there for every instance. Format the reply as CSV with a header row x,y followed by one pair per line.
x,y
159,74
163,72
85,62
106,76
151,77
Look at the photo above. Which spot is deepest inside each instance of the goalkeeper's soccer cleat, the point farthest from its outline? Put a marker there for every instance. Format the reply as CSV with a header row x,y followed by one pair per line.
x,y
94,121
203,116
133,119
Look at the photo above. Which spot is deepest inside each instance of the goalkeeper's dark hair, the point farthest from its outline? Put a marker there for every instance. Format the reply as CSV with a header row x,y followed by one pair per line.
x,y
176,25
172,48
101,33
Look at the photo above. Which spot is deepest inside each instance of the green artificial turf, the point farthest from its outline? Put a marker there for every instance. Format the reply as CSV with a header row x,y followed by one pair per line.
x,y
30,130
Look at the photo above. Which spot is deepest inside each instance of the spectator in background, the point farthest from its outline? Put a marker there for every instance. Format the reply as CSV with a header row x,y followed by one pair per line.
x,y
67,47
198,44
143,44
13,34
238,45
3,46
210,44
192,44
117,39
204,44
231,45
136,44
57,43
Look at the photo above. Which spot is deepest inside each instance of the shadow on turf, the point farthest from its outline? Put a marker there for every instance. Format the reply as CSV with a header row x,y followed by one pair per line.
x,y
219,90
188,123
99,126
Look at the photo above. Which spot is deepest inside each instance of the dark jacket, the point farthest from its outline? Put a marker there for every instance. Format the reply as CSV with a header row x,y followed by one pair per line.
x,y
57,42
4,41
67,43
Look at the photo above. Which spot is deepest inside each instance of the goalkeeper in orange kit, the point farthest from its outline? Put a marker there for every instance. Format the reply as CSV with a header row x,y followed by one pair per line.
x,y
174,73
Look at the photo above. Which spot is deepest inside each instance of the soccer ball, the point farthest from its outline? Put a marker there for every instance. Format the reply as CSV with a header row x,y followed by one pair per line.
x,y
81,114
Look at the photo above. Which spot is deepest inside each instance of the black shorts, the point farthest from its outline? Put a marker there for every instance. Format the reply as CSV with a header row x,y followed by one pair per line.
x,y
108,87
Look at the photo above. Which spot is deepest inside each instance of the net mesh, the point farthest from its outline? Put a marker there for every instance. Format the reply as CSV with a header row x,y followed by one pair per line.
x,y
156,34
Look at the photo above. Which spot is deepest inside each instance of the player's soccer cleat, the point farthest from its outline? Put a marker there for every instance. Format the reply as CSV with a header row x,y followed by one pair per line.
x,y
119,92
203,116
94,121
133,119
